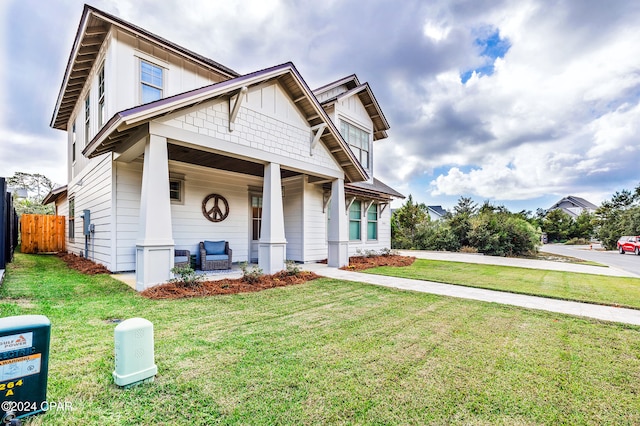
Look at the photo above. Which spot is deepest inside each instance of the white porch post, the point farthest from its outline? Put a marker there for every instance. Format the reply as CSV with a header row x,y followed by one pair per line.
x,y
273,245
338,235
154,246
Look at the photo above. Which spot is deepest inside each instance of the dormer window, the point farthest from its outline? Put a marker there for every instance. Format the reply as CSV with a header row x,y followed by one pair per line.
x,y
151,79
358,141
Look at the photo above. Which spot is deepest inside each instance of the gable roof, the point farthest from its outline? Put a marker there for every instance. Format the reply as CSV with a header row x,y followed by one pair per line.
x,y
125,123
54,195
364,92
438,210
92,30
576,201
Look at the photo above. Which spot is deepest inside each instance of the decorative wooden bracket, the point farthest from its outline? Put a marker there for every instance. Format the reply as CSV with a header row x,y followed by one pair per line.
x,y
319,129
326,198
382,207
367,204
349,202
233,110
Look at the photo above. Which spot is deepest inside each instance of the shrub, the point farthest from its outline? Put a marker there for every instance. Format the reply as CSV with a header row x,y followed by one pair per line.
x,y
185,275
468,249
578,241
292,268
251,274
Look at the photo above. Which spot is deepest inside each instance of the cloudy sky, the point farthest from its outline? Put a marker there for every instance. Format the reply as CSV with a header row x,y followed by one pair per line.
x,y
517,102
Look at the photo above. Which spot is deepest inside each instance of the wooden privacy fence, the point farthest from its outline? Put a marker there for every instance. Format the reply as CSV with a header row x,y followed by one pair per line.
x,y
42,233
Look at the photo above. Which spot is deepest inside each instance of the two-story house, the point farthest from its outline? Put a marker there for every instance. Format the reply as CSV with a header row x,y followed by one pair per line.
x,y
167,148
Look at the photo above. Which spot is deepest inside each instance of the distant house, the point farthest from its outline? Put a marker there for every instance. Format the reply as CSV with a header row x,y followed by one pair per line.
x,y
574,206
436,212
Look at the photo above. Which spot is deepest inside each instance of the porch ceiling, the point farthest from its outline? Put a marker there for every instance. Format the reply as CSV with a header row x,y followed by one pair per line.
x,y
219,161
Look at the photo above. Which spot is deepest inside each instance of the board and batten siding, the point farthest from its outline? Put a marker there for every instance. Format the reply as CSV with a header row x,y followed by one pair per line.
x,y
189,226
315,224
92,191
293,205
188,222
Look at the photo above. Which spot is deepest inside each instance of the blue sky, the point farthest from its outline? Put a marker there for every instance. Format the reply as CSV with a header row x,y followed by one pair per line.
x,y
519,103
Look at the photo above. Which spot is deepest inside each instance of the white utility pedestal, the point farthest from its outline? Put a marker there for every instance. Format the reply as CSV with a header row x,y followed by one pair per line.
x,y
134,352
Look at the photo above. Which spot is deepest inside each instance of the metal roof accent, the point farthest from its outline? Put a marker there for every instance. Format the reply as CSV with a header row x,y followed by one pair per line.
x,y
376,188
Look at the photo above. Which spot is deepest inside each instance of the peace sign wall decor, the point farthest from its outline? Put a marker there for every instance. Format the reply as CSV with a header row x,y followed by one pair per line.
x,y
215,208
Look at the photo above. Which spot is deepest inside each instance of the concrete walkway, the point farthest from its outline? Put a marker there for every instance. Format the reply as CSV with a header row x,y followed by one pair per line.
x,y
520,263
606,313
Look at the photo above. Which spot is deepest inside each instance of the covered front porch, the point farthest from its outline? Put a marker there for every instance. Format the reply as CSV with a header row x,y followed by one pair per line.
x,y
269,213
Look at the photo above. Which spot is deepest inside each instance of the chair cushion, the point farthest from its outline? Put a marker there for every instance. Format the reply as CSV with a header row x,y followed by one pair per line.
x,y
177,259
217,257
214,247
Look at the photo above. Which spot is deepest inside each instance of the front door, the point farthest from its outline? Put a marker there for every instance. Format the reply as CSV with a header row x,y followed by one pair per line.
x,y
256,225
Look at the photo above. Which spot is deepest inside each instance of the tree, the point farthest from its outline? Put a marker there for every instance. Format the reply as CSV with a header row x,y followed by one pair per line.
x,y
37,187
460,221
583,226
404,223
557,224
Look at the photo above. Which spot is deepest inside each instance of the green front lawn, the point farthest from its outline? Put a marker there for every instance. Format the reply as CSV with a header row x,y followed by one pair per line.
x,y
599,289
326,352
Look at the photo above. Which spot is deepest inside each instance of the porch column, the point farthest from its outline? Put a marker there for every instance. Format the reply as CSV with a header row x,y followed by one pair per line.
x,y
338,235
273,245
154,246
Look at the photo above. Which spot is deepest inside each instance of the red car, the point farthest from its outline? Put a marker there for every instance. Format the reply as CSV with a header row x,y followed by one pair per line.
x,y
629,243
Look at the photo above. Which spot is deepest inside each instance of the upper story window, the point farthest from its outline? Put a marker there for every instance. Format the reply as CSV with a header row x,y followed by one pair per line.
x,y
151,80
358,140
73,142
87,119
101,109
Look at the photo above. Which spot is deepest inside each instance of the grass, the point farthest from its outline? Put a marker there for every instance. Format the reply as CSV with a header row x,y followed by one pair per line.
x,y
598,289
326,352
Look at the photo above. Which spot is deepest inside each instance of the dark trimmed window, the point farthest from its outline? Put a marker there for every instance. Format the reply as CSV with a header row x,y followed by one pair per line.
x,y
355,218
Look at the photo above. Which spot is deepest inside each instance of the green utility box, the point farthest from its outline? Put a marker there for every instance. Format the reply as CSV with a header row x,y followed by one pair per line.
x,y
24,365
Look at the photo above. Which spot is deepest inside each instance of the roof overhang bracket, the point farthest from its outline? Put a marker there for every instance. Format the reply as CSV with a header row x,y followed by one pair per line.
x,y
348,203
326,197
235,108
319,130
382,207
367,204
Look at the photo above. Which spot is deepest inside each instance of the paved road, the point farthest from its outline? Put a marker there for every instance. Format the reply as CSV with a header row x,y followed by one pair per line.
x,y
521,263
627,262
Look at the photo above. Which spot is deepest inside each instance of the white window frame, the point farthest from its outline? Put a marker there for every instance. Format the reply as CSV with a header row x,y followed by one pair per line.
x,y
150,84
377,219
101,97
180,181
87,119
355,146
74,138
72,219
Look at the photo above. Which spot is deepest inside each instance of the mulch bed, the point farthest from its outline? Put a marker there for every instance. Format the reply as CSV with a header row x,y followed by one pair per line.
x,y
359,263
179,290
82,264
